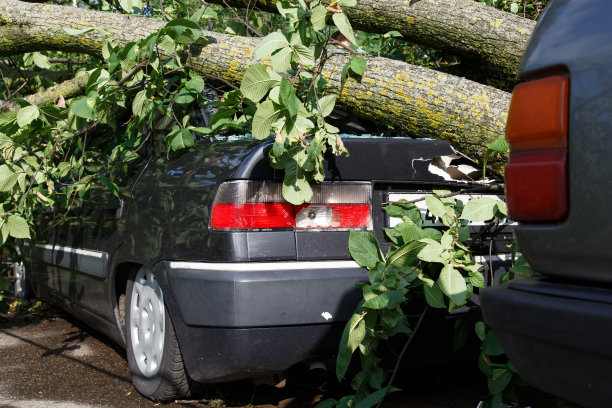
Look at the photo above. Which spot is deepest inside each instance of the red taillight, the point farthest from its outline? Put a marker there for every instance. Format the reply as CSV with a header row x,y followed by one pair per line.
x,y
536,176
242,204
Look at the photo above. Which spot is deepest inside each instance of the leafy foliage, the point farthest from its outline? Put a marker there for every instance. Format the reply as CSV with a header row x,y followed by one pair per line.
x,y
425,265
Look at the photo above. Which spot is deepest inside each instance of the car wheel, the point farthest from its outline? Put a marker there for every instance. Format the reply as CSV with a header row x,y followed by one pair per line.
x,y
153,352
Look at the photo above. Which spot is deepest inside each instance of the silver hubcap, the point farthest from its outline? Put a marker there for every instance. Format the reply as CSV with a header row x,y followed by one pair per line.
x,y
147,322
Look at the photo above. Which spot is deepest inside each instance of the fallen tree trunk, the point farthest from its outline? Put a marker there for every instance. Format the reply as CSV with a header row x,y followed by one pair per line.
x,y
463,27
428,103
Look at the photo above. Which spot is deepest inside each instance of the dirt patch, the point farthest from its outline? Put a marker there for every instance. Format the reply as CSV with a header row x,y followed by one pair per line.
x,y
50,360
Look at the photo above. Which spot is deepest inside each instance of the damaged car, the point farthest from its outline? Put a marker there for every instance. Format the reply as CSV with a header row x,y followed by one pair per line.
x,y
206,274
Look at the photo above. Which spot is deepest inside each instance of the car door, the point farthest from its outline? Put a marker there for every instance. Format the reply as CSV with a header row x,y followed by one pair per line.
x,y
85,240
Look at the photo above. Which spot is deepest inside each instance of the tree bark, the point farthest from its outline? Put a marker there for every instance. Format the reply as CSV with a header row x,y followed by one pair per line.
x,y
466,28
428,103
68,89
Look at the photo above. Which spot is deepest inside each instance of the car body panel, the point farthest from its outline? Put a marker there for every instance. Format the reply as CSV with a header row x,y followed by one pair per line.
x,y
575,35
556,329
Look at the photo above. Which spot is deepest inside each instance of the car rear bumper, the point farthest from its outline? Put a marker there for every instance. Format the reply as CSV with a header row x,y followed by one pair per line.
x,y
557,335
240,320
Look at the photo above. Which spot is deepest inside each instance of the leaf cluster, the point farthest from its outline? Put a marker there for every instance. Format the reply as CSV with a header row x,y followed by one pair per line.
x,y
432,266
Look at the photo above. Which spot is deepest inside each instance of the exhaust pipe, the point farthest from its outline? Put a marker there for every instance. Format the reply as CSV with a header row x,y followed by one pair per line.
x,y
317,368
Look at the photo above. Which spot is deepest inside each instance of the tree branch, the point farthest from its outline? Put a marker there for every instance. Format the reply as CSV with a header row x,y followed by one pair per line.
x,y
466,28
68,89
425,102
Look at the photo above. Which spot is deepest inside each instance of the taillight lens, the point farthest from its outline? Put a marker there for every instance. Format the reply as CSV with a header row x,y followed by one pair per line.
x,y
246,205
536,176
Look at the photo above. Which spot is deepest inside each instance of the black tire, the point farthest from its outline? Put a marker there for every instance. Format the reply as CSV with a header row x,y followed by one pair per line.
x,y
168,379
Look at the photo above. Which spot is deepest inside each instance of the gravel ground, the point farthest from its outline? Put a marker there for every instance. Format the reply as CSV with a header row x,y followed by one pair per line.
x,y
52,361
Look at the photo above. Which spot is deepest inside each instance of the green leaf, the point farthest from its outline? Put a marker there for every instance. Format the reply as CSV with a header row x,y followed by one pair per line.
x,y
372,399
408,212
181,140
26,115
501,210
41,61
195,84
433,293
385,300
183,31
343,24
347,3
288,97
394,33
4,232
501,379
126,5
140,102
357,66
203,12
453,284
522,268
305,55
167,44
296,188
18,227
109,184
318,17
498,145
184,96
480,328
327,104
328,403
431,252
267,113
479,209
270,43
353,334
257,81
7,118
8,178
364,248
447,240
406,254
83,108
491,346
281,60
435,206
476,279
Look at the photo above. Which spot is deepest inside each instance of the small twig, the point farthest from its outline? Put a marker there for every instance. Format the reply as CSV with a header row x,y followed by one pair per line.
x,y
248,26
65,61
163,12
341,44
132,72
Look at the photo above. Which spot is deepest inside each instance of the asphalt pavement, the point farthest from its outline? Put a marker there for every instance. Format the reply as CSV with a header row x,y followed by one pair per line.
x,y
50,360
